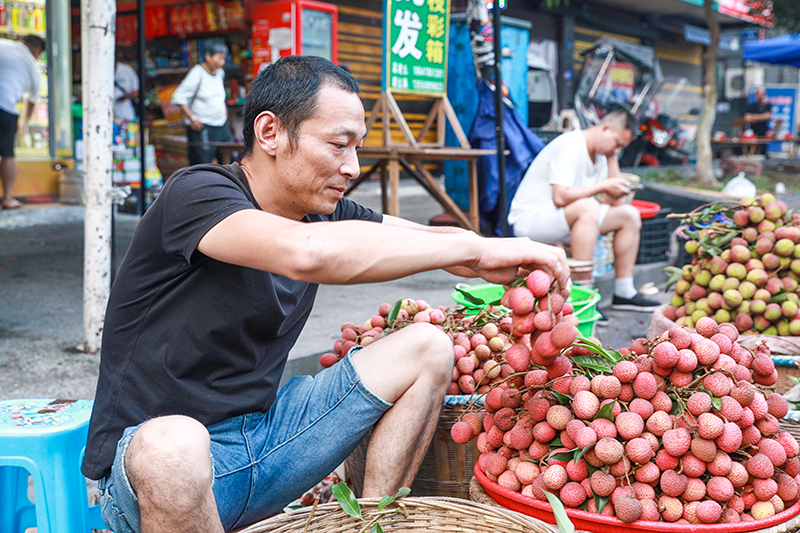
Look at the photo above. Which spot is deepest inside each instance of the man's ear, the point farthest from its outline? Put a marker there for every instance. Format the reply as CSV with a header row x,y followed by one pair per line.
x,y
265,128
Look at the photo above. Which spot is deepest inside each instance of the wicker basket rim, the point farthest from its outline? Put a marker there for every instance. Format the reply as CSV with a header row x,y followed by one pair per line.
x,y
465,509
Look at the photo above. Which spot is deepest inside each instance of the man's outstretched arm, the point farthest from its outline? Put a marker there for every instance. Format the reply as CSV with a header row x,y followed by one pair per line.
x,y
349,252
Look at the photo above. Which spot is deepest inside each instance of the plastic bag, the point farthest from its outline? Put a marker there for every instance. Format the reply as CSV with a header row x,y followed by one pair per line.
x,y
740,187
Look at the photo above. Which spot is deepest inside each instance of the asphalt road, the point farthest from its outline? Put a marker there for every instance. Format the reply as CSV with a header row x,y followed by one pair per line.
x,y
41,258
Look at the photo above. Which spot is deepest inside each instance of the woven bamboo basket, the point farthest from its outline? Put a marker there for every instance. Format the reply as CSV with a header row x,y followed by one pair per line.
x,y
786,365
791,426
421,514
447,467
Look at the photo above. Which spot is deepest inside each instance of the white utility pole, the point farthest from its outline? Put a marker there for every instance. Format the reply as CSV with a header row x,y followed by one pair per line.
x,y
98,19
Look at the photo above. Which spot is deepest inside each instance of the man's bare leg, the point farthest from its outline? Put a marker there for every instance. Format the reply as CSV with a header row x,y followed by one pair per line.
x,y
412,369
582,216
168,463
8,176
626,222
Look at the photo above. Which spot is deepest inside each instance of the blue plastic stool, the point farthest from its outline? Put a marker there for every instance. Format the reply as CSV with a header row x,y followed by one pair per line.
x,y
45,439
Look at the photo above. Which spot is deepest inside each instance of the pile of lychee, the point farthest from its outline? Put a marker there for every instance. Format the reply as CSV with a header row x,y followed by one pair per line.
x,y
489,346
409,311
745,270
681,429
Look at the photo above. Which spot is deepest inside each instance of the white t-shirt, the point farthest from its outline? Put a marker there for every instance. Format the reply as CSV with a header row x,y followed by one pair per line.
x,y
564,161
19,75
209,102
125,81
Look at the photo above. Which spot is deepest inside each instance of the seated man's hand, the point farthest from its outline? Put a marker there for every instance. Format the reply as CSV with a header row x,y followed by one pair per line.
x,y
616,187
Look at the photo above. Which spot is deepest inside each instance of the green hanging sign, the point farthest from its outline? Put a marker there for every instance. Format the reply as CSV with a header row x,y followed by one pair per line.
x,y
415,38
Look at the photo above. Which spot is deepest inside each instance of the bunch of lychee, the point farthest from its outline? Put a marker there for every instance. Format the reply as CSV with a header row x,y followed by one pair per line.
x,y
680,429
745,271
409,312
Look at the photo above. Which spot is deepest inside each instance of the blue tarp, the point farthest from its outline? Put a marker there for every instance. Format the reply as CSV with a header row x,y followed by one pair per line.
x,y
520,141
783,50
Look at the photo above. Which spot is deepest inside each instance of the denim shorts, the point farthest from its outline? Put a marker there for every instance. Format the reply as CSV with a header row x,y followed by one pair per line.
x,y
263,461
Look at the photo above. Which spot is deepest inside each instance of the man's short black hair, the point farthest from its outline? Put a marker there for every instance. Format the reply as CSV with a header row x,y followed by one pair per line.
x,y
34,41
289,88
622,119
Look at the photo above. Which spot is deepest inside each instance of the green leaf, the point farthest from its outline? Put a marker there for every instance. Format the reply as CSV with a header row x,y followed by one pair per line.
x,y
347,500
592,362
563,399
579,453
376,528
404,491
556,442
392,316
605,411
795,380
600,502
563,456
518,282
716,402
594,348
469,297
386,500
562,520
779,298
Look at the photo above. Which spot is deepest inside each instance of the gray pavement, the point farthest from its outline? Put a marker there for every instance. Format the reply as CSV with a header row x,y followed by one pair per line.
x,y
41,260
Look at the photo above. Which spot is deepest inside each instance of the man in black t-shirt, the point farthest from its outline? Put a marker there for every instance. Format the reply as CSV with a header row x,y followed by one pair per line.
x,y
757,117
189,430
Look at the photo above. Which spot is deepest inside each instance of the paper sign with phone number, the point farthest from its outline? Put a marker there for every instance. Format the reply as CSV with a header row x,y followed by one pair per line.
x,y
415,38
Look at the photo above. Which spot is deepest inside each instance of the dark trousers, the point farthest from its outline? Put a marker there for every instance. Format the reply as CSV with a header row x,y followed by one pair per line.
x,y
206,154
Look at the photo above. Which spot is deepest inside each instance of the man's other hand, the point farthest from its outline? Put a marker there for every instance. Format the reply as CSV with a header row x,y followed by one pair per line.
x,y
617,187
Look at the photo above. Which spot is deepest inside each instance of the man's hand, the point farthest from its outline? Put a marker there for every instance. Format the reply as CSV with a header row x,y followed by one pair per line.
x,y
196,125
616,187
503,260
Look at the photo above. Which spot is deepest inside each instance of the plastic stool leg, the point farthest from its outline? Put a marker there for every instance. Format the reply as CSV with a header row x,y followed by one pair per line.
x,y
17,511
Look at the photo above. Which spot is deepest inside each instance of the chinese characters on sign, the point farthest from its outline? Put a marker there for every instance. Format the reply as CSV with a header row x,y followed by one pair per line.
x,y
415,46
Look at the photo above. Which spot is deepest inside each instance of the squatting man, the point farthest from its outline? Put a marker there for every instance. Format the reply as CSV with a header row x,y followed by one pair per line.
x,y
190,431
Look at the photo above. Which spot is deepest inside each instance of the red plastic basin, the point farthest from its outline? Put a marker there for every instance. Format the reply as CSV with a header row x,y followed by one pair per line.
x,y
646,209
597,523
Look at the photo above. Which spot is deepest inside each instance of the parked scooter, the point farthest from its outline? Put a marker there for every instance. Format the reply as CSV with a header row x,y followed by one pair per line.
x,y
660,142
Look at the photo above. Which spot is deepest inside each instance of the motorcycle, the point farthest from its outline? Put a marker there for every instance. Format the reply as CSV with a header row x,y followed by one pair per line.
x,y
660,142
621,75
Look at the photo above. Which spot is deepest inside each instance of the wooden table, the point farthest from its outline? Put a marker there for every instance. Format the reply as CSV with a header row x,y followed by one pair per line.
x,y
391,158
749,146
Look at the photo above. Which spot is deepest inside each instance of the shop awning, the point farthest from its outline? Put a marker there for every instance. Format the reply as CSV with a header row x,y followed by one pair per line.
x,y
783,50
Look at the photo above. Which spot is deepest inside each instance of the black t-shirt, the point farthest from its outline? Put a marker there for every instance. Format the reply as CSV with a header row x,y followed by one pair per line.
x,y
186,334
757,108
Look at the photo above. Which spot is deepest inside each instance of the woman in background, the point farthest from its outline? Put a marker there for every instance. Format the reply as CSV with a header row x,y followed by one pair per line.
x,y
201,99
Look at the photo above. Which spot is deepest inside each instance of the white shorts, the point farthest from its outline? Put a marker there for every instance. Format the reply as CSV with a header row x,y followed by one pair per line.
x,y
548,223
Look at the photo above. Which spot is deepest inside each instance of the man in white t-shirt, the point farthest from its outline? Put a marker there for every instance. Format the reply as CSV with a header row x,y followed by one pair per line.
x,y
126,86
19,80
556,202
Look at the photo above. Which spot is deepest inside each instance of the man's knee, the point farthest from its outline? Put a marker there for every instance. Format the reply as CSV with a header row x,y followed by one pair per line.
x,y
173,446
585,210
432,347
632,217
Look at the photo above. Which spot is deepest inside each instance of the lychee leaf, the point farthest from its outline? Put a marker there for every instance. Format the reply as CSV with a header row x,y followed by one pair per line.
x,y
563,456
779,298
580,453
556,442
600,502
716,402
347,501
562,520
675,274
584,506
563,399
386,500
518,282
592,362
392,316
606,411
376,528
469,297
